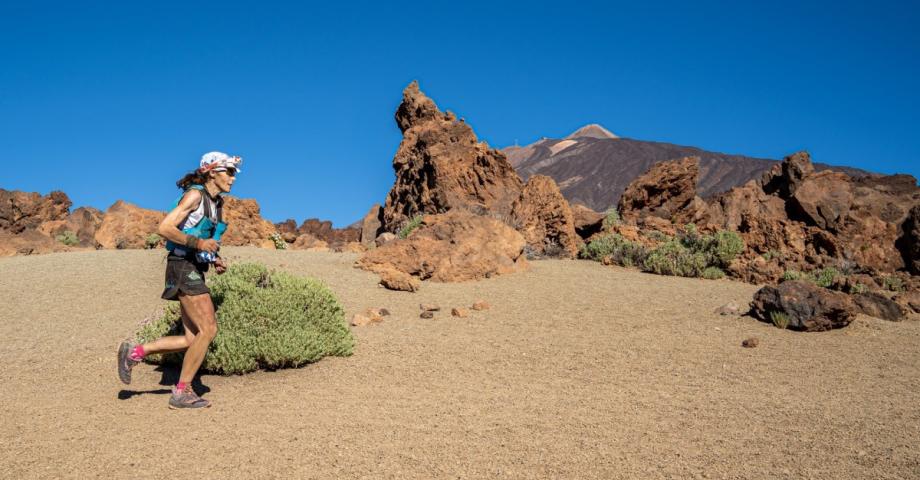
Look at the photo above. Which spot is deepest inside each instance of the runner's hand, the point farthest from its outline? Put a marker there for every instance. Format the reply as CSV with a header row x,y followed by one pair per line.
x,y
209,245
220,266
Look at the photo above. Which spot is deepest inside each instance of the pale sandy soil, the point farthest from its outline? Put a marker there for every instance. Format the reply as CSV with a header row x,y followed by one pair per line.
x,y
578,371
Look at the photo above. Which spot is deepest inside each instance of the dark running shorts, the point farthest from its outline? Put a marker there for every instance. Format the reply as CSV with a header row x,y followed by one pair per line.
x,y
184,275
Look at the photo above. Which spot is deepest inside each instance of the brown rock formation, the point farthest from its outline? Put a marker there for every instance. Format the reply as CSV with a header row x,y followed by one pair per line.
x,y
23,210
245,225
370,225
441,165
83,222
126,225
28,242
543,216
323,230
452,247
808,307
666,189
909,243
309,242
587,221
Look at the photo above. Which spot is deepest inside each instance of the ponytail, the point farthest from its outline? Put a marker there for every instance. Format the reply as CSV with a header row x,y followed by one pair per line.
x,y
194,177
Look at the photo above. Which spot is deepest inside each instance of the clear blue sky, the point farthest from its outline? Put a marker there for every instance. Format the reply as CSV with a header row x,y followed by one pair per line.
x,y
116,100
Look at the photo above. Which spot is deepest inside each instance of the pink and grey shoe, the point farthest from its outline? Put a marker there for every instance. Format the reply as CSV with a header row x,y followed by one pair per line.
x,y
187,398
126,361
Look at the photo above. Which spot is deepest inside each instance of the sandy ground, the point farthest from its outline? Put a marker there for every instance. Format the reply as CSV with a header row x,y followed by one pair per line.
x,y
577,371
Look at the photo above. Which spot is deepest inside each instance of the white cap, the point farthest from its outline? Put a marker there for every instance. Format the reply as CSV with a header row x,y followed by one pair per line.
x,y
219,161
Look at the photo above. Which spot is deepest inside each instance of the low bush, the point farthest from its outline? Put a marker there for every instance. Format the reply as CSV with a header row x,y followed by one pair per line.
x,y
611,219
779,319
279,242
410,226
68,238
266,320
713,273
152,241
621,251
673,258
893,283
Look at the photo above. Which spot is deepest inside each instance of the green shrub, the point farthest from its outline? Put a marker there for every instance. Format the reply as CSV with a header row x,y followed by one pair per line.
x,y
621,251
673,258
68,238
279,242
825,277
893,283
779,319
265,320
713,273
611,219
725,246
152,241
409,227
858,288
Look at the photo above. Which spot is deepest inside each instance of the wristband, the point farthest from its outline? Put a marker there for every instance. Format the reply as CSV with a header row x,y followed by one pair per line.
x,y
191,241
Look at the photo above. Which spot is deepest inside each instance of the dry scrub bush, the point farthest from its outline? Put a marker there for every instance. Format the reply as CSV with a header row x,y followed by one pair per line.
x,y
690,255
779,319
410,226
68,238
266,320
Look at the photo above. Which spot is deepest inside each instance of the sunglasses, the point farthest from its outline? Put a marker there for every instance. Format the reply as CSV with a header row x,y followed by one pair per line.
x,y
230,172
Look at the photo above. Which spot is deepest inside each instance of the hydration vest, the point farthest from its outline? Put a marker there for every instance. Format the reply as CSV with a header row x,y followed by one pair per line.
x,y
205,227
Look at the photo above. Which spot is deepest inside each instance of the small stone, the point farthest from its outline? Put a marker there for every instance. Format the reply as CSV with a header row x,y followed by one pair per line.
x,y
481,305
730,308
429,307
459,312
750,342
427,314
383,312
360,320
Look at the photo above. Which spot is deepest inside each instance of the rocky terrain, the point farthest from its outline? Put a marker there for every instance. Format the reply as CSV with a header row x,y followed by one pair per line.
x,y
593,166
458,210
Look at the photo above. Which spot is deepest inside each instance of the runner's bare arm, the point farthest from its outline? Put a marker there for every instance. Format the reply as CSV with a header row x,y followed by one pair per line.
x,y
169,227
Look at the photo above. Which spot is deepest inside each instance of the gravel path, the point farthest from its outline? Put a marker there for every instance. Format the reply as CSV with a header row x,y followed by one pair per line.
x,y
577,371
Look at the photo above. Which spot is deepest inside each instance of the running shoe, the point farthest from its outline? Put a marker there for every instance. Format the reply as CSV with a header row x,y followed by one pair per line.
x,y
125,363
187,399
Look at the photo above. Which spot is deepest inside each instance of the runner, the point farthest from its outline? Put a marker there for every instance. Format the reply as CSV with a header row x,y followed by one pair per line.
x,y
191,229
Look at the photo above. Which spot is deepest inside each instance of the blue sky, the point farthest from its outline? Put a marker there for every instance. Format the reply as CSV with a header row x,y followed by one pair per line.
x,y
116,100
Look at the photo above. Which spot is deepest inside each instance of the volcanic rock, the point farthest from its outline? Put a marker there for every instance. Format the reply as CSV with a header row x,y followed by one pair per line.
x,y
459,312
394,279
28,242
666,189
909,243
751,342
384,238
481,305
22,210
587,221
543,216
429,307
83,222
245,225
288,230
323,230
452,247
125,225
878,305
370,225
440,165
309,242
809,307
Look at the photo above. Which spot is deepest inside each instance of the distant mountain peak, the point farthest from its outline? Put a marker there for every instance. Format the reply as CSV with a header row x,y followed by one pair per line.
x,y
592,130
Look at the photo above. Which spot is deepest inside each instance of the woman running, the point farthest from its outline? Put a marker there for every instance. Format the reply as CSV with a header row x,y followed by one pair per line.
x,y
191,228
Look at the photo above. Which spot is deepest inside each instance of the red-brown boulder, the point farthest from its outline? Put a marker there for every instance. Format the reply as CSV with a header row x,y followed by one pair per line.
x,y
666,189
126,225
543,216
23,210
452,247
245,225
806,306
